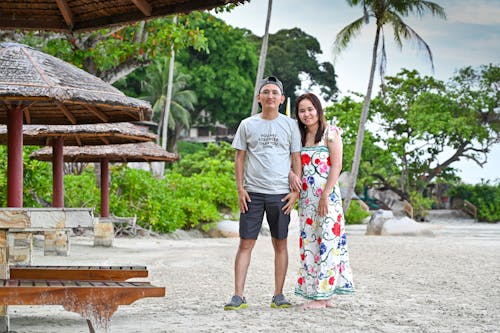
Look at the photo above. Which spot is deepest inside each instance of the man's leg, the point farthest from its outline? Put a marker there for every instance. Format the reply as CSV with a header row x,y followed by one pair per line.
x,y
241,264
280,264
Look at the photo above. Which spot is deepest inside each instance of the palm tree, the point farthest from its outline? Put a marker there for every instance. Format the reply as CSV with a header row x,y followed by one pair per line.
x,y
262,57
182,101
384,12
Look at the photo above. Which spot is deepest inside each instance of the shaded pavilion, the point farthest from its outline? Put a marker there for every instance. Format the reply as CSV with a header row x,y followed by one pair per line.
x,y
133,152
84,15
76,135
36,88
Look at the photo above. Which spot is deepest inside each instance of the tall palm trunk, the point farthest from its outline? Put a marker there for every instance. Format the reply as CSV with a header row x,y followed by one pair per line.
x,y
353,175
168,101
262,58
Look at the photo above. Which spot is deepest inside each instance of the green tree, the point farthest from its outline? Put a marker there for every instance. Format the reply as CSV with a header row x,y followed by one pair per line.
x,y
182,103
293,53
376,160
113,53
429,125
384,12
223,78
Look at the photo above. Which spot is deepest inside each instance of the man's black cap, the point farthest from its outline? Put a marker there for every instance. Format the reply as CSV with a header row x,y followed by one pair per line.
x,y
271,80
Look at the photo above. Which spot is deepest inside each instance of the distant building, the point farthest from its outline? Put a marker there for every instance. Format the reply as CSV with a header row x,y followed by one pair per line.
x,y
203,133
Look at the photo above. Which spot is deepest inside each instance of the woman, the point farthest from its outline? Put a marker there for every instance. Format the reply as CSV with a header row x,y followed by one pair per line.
x,y
324,269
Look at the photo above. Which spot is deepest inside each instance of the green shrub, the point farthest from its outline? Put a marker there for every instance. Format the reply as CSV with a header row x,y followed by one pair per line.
x,y
485,196
420,205
355,214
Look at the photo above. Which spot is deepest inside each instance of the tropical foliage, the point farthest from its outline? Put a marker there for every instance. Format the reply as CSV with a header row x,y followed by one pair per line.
x,y
385,12
182,103
485,196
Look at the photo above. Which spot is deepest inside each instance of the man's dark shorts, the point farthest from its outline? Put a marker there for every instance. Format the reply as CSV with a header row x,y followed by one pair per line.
x,y
271,204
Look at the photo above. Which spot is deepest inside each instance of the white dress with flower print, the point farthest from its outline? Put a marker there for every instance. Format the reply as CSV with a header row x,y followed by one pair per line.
x,y
324,269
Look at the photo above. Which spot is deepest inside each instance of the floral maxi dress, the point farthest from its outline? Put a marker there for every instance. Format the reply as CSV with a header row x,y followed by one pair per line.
x,y
324,269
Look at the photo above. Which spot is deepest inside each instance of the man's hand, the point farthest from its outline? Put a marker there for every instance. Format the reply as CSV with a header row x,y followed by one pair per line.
x,y
290,199
243,198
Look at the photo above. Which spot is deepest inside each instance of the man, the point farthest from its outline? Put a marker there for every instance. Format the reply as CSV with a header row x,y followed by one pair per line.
x,y
265,144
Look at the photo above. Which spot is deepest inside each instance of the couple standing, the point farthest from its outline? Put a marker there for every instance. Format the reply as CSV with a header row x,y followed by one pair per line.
x,y
265,144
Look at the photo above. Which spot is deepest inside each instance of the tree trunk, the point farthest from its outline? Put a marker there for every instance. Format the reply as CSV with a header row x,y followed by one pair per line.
x,y
166,112
262,58
353,175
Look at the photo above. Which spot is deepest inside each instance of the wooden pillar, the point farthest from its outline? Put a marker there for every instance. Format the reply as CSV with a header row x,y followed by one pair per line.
x,y
15,157
104,188
57,172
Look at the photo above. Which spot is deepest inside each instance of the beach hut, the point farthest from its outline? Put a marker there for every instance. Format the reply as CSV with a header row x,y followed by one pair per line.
x,y
76,135
83,15
36,88
134,152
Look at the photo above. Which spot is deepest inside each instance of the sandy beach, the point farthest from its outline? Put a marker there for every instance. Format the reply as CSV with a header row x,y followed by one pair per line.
x,y
446,283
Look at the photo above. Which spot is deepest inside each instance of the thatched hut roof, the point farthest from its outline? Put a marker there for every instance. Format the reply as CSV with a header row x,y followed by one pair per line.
x,y
84,15
133,152
52,91
79,135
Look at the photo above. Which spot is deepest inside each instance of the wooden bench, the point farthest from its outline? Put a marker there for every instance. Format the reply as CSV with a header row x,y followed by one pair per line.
x,y
96,301
82,273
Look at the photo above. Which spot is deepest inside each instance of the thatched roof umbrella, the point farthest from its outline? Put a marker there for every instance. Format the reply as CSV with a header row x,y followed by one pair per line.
x,y
134,152
36,88
76,135
84,15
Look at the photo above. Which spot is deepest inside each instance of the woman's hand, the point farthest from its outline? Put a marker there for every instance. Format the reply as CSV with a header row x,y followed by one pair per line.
x,y
294,182
323,204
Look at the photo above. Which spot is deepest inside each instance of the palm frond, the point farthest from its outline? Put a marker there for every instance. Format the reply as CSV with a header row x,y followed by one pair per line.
x,y
404,31
345,35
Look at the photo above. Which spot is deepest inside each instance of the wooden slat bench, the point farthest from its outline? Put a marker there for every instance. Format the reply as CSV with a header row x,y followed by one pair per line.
x,y
96,301
81,273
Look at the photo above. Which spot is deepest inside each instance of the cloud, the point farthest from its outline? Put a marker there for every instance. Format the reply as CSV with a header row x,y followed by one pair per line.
x,y
476,12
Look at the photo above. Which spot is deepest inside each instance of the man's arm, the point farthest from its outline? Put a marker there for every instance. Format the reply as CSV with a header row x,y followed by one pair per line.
x,y
239,169
292,197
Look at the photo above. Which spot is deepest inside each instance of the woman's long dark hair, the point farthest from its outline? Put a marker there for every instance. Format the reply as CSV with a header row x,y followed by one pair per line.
x,y
321,117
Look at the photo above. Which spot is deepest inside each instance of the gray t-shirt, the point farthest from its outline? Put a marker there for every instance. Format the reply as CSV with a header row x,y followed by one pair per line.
x,y
268,145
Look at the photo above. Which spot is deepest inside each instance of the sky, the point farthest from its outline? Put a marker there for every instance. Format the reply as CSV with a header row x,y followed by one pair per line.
x,y
470,36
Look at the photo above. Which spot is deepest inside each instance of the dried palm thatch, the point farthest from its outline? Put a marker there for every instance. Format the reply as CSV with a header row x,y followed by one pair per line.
x,y
85,15
50,91
79,135
132,152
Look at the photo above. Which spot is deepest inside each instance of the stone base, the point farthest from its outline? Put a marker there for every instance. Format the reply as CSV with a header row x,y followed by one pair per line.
x,y
56,243
4,323
104,234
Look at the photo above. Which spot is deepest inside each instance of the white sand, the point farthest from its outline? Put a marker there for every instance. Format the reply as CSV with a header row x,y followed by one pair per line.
x,y
447,283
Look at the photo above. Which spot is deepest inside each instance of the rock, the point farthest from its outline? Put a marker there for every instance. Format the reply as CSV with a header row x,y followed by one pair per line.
x,y
225,228
377,220
404,226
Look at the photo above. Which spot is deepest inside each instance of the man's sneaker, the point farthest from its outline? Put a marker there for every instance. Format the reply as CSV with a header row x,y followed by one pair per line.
x,y
280,302
236,303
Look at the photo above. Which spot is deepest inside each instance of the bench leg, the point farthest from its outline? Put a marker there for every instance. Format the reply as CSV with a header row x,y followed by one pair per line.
x,y
99,314
91,328
4,274
56,243
20,248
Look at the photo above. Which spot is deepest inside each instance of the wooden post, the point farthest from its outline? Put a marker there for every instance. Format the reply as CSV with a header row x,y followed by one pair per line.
x,y
57,172
104,188
15,157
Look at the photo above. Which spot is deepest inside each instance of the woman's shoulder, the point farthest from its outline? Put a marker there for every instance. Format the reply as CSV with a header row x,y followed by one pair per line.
x,y
330,131
333,129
